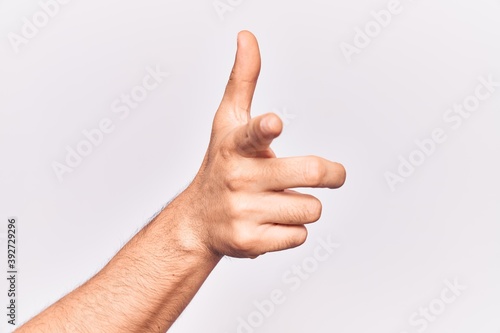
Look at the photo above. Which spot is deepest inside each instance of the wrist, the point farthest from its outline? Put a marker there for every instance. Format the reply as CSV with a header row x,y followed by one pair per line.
x,y
184,229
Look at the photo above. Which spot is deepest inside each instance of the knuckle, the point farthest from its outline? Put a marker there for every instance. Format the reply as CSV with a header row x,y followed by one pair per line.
x,y
315,171
235,177
295,215
225,152
232,209
248,138
244,241
239,208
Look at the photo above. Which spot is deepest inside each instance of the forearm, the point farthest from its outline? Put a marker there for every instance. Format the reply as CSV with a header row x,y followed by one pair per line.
x,y
239,204
143,288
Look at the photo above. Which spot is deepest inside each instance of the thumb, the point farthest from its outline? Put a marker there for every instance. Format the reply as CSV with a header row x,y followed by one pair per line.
x,y
240,89
254,138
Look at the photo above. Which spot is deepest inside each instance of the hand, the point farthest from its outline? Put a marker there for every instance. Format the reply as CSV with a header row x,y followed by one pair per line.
x,y
240,201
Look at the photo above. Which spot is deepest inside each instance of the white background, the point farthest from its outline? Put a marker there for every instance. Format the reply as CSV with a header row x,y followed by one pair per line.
x,y
396,247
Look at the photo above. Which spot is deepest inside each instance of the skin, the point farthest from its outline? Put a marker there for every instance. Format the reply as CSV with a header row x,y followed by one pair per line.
x,y
240,204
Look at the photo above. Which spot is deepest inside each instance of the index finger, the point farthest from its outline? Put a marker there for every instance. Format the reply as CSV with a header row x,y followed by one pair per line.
x,y
310,171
